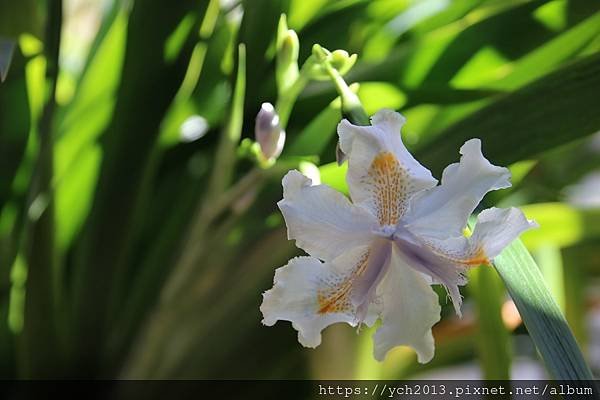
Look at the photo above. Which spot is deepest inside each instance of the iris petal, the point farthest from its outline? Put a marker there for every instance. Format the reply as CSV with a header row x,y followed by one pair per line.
x,y
322,221
314,294
410,309
442,211
382,174
442,269
446,260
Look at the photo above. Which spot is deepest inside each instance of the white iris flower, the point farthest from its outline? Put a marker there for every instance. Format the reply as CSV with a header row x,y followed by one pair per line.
x,y
376,257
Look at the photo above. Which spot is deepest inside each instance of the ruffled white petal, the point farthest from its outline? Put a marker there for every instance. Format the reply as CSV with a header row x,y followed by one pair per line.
x,y
382,174
313,295
322,221
294,297
496,228
446,260
442,211
410,309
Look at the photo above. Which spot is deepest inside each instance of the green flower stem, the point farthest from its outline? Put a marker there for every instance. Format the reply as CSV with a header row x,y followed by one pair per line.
x,y
287,98
351,104
252,179
493,338
226,152
199,242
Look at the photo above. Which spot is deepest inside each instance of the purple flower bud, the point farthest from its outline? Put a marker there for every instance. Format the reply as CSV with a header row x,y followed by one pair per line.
x,y
268,133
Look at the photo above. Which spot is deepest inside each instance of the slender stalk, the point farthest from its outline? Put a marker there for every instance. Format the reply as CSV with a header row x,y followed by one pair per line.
x,y
351,104
493,338
39,353
219,181
286,100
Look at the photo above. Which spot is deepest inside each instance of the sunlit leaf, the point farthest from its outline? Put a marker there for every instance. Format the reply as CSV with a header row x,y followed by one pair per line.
x,y
493,338
560,225
334,175
14,126
551,111
542,317
547,57
549,259
318,133
102,276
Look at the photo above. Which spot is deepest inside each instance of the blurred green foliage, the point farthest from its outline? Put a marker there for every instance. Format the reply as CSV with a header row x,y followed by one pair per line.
x,y
131,249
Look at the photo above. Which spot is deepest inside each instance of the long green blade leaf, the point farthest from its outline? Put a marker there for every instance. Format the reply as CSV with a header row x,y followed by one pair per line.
x,y
541,315
551,111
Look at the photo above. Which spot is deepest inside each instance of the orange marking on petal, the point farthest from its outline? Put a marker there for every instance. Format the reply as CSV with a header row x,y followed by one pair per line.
x,y
389,181
337,299
471,259
478,258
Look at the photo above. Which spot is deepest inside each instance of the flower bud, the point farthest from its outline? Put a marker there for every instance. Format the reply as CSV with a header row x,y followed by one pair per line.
x,y
268,132
338,59
286,71
342,61
320,52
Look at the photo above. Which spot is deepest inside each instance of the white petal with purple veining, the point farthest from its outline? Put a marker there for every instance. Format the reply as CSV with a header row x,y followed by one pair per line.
x,y
314,294
496,228
443,211
294,298
322,221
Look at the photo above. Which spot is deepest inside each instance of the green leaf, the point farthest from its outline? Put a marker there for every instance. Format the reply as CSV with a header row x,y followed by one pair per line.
x,y
554,110
540,313
485,28
560,225
14,125
148,86
230,138
318,133
377,95
543,59
257,31
576,283
220,180
41,354
74,194
23,17
493,338
81,123
302,11
549,259
334,175
206,89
